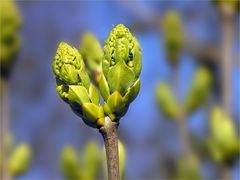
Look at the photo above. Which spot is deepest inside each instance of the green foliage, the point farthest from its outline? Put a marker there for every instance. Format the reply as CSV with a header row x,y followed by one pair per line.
x,y
91,161
20,159
166,101
92,54
223,143
122,64
199,91
119,84
173,36
188,168
85,166
122,160
69,163
10,22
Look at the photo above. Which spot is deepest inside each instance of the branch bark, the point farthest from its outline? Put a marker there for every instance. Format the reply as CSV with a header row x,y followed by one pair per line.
x,y
4,174
225,172
227,14
181,119
109,133
183,131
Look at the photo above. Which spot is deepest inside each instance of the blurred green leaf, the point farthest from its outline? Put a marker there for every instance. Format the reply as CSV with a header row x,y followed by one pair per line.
x,y
69,163
19,161
188,168
91,161
166,101
173,35
199,90
223,142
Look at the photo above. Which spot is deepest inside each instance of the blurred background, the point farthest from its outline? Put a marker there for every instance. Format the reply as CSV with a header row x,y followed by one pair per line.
x,y
40,118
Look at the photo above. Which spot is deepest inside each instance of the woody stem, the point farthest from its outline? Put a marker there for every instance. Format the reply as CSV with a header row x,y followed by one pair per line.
x,y
109,133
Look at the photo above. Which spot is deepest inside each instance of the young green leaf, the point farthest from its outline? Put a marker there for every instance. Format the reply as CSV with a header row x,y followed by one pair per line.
x,y
132,92
19,161
78,94
69,163
103,87
94,95
115,101
166,101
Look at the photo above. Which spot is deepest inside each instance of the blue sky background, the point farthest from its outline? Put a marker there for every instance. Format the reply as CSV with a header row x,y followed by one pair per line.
x,y
42,119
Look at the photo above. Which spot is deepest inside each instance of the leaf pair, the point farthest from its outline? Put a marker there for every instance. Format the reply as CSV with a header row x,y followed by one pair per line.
x,y
86,166
116,105
89,102
198,93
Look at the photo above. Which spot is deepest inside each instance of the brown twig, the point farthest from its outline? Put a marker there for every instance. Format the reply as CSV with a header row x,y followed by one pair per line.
x,y
109,133
181,119
4,131
227,14
183,131
227,17
225,172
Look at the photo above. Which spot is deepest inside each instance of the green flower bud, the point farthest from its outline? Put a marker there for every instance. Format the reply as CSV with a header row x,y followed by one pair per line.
x,y
10,22
199,91
19,161
122,64
122,160
166,101
74,87
92,54
69,67
173,36
69,163
120,50
223,142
